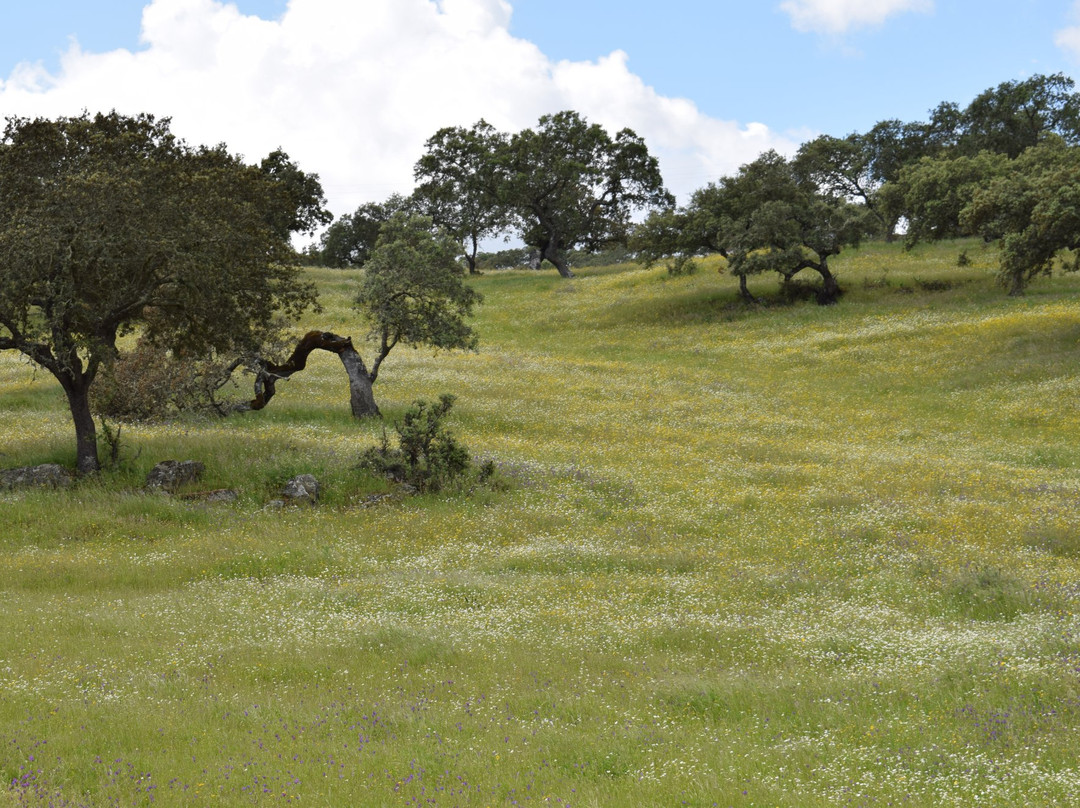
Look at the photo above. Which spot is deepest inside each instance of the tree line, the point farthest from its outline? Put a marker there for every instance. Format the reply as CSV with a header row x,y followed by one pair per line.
x,y
1005,168
1000,168
565,185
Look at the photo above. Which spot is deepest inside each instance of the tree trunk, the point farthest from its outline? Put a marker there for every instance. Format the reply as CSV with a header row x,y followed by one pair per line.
x,y
361,396
556,257
86,451
470,258
744,292
830,289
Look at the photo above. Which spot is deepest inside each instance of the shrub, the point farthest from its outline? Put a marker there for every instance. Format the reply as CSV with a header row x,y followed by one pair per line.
x,y
145,384
427,456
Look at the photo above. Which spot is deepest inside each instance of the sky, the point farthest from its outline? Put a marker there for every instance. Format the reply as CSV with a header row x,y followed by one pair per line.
x,y
351,89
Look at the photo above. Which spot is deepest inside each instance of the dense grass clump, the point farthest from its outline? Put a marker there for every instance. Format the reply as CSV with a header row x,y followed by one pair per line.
x,y
782,555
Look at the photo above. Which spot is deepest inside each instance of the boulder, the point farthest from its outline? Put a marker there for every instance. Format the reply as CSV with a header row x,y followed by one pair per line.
x,y
300,489
47,475
169,475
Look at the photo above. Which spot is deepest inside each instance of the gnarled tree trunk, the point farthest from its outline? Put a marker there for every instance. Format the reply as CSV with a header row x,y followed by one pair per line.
x,y
361,397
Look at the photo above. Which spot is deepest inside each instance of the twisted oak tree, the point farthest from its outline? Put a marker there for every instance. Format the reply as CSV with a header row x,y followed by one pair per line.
x,y
412,293
267,374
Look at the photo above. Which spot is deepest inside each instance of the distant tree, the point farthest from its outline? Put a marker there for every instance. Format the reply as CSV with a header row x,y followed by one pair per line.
x,y
1033,208
931,193
458,187
109,223
570,184
843,168
350,240
768,217
781,222
1015,115
303,207
412,293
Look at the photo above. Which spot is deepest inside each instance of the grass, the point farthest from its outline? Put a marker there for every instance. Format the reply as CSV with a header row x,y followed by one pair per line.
x,y
784,556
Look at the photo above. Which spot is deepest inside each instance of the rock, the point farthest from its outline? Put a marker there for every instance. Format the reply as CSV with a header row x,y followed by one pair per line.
x,y
169,475
47,475
217,495
303,488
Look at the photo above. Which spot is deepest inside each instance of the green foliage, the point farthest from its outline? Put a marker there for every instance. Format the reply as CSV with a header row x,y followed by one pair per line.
x,y
350,240
303,205
1017,115
109,223
1033,207
458,186
427,457
412,291
772,216
932,193
569,184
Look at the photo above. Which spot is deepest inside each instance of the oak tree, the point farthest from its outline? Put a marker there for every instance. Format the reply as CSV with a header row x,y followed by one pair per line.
x,y
412,293
110,223
570,184
457,185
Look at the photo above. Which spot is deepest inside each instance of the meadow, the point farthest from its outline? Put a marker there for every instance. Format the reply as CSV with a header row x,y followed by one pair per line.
x,y
779,556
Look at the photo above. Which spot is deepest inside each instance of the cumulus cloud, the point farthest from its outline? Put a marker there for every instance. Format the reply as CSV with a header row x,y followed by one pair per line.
x,y
351,89
839,16
1068,39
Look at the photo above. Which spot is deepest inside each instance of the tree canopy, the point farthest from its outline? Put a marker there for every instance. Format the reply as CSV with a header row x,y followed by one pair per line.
x,y
108,223
768,217
412,292
568,183
350,240
458,187
1032,206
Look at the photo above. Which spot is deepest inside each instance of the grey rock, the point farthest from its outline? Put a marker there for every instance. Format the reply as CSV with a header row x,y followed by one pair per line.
x,y
169,475
302,488
47,475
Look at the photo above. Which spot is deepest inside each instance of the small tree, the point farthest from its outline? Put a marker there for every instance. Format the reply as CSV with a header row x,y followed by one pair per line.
x,y
110,223
458,187
412,293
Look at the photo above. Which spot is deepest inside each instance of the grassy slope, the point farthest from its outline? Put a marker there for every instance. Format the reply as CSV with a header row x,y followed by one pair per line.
x,y
797,556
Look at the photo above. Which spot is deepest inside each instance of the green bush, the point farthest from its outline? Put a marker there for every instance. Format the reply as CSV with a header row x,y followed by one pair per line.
x,y
427,457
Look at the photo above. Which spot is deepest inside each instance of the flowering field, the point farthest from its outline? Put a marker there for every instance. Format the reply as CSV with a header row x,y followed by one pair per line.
x,y
787,556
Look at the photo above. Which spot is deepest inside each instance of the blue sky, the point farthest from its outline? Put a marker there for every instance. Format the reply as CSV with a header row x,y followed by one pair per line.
x,y
354,87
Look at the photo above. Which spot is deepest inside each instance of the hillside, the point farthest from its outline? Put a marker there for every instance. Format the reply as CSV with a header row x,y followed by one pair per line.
x,y
788,556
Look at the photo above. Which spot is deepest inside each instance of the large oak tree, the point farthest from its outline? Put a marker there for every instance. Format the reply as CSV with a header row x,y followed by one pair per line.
x,y
570,184
110,223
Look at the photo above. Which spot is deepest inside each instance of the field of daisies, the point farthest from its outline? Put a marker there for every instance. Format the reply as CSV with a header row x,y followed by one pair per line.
x,y
784,555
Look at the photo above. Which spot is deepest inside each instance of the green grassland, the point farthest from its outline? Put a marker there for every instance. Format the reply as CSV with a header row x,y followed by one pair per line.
x,y
788,556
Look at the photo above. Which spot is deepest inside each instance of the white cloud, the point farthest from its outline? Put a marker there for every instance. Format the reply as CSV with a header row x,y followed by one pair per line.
x,y
839,16
351,89
1068,39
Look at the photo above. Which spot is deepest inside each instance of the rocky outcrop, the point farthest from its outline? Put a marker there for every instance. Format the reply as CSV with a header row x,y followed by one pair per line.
x,y
47,475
